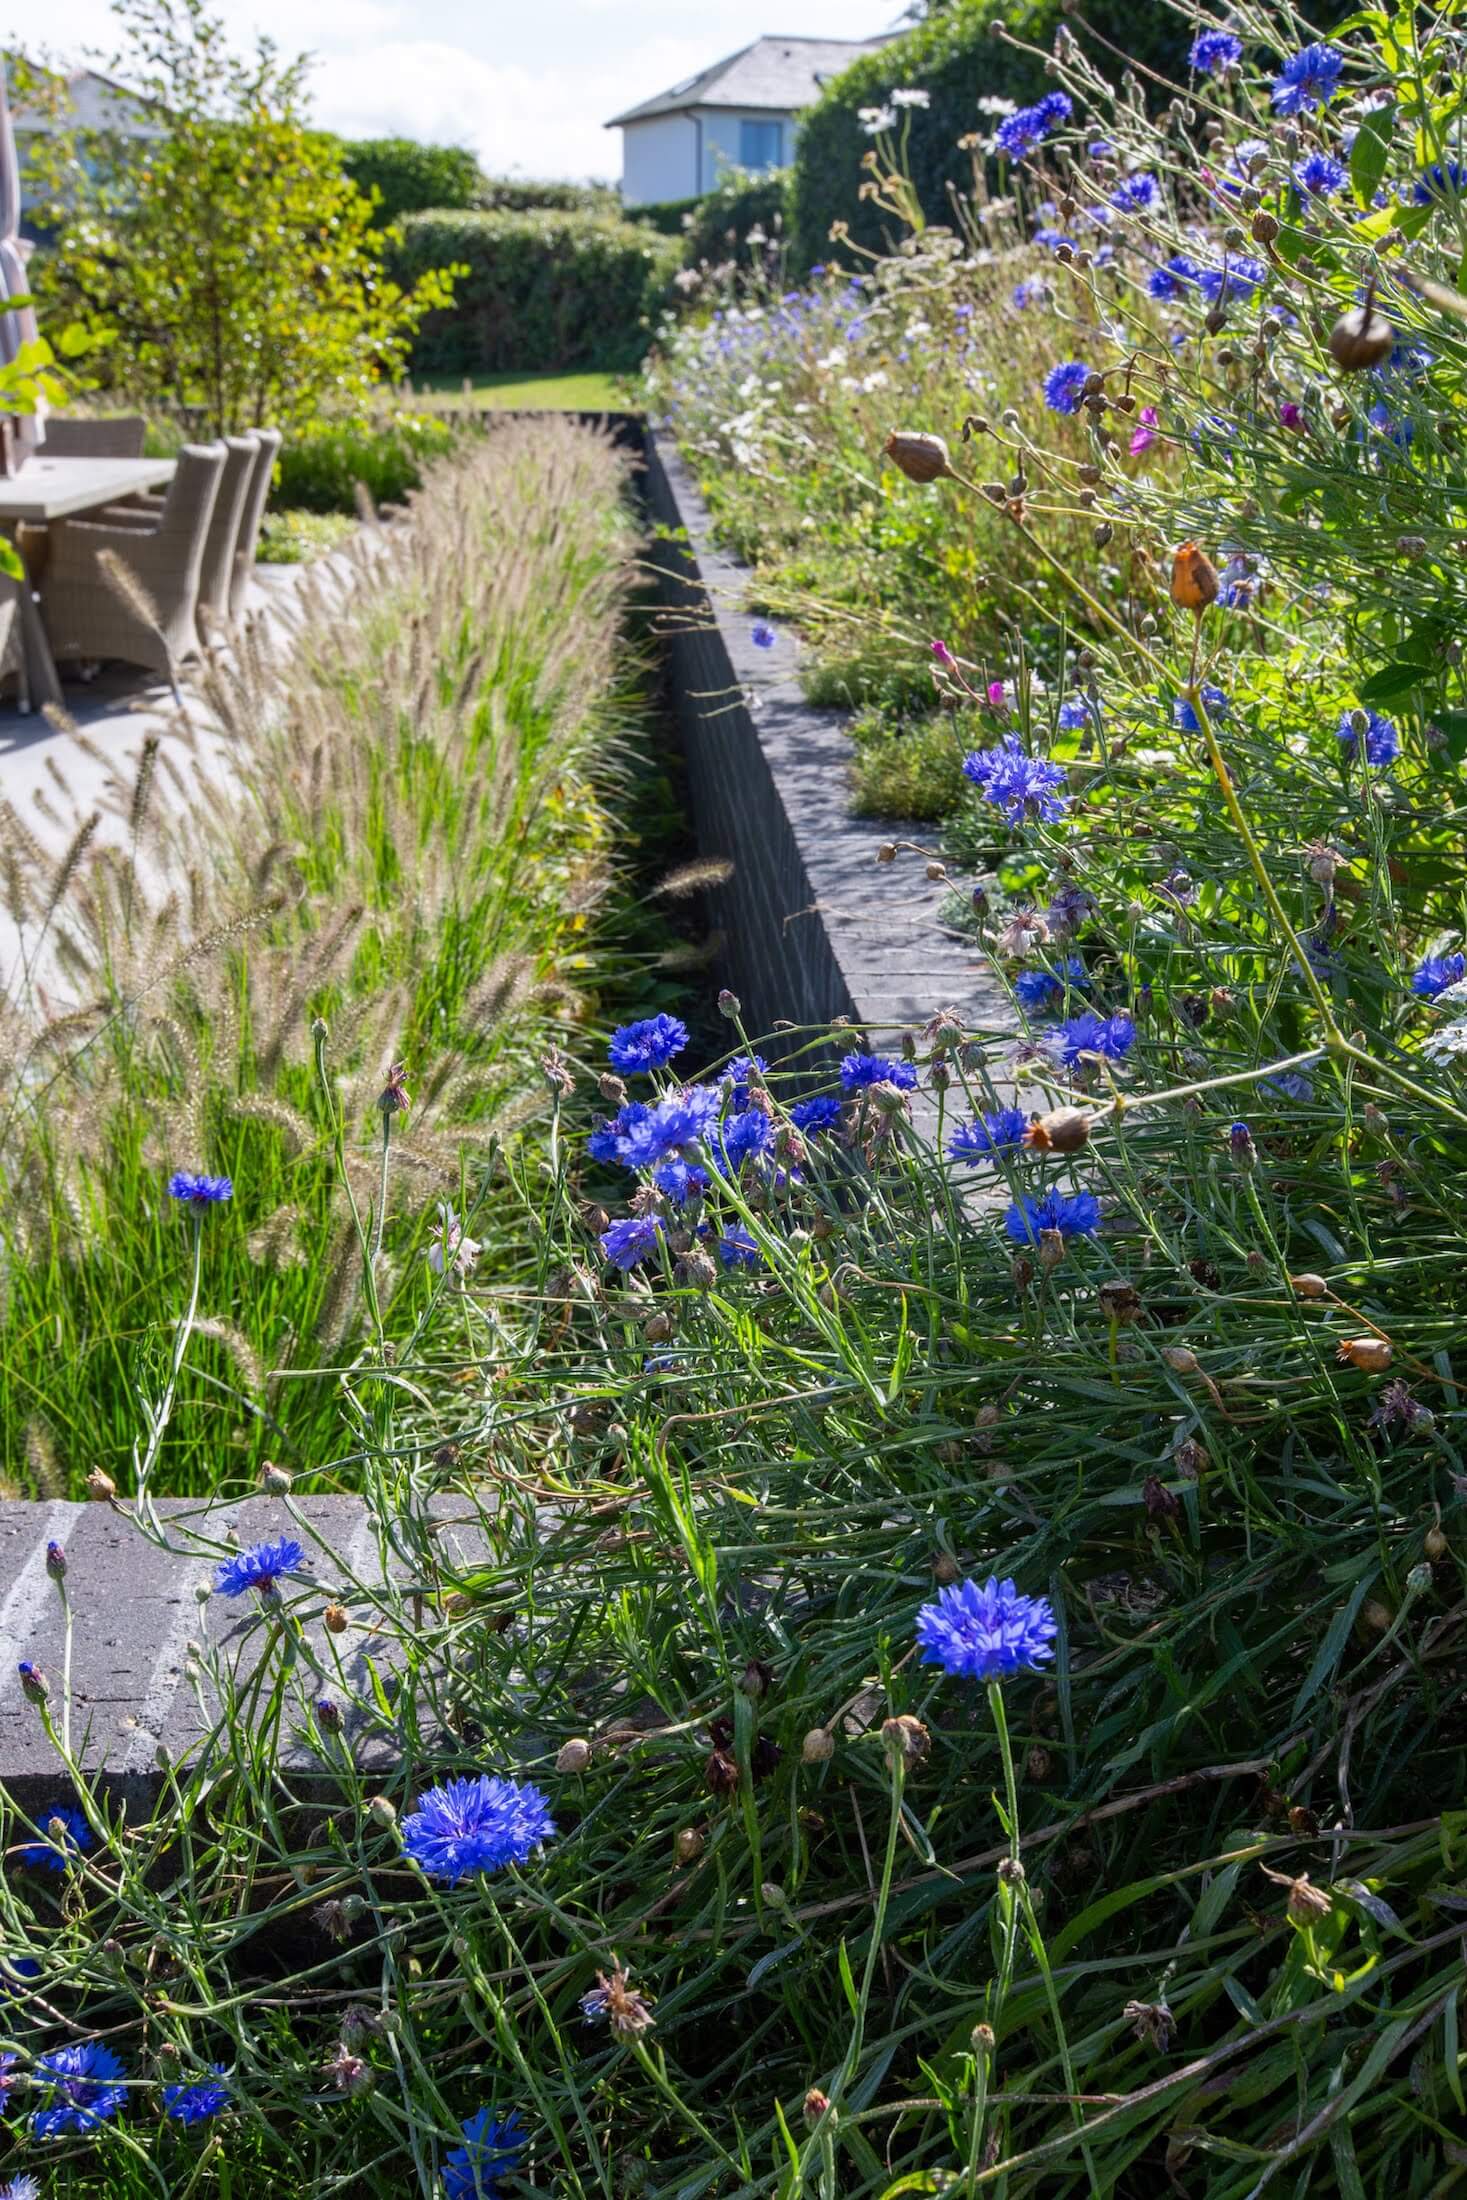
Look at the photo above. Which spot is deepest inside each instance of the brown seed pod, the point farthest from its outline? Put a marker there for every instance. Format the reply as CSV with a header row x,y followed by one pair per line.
x,y
1372,1355
1361,338
920,457
1265,228
1063,1130
1194,578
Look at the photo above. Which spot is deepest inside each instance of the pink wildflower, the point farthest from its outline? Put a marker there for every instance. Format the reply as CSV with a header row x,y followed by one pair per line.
x,y
1144,433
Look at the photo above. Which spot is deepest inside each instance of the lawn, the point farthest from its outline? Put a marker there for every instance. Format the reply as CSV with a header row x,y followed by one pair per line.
x,y
536,392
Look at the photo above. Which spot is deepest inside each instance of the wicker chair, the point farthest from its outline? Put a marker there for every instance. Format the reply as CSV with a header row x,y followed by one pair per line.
x,y
72,436
257,497
12,638
87,616
217,566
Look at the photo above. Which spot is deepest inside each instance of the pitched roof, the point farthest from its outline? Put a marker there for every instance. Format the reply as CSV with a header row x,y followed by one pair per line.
x,y
779,74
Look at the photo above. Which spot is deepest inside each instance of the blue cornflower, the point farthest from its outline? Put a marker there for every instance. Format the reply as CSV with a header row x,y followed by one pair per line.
x,y
9,2079
52,1855
199,2100
680,1180
1077,711
1185,718
1382,742
648,1045
606,1141
1021,786
1214,51
83,2085
1002,1131
1134,195
677,1124
199,1191
1290,1085
1052,239
1436,973
1099,148
745,1135
762,634
737,1248
1034,292
632,1240
1168,281
1320,174
1112,1036
1240,279
260,1567
1442,180
491,2150
1037,988
983,1633
1020,132
811,1117
1073,1214
24,2187
480,1825
1309,78
858,1070
1064,386
19,1970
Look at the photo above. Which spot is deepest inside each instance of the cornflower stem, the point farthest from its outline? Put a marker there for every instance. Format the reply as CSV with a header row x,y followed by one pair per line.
x,y
655,2070
1020,1902
1123,1104
380,1218
160,1415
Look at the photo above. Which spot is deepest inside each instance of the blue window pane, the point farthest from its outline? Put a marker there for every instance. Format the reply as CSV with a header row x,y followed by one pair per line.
x,y
761,144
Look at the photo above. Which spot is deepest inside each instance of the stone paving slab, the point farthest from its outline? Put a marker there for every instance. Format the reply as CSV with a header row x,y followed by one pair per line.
x,y
135,1612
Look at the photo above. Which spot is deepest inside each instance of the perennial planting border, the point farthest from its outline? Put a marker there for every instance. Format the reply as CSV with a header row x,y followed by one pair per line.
x,y
813,928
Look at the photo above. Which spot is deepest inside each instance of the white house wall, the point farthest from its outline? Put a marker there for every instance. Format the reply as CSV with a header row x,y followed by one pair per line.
x,y
659,160
721,139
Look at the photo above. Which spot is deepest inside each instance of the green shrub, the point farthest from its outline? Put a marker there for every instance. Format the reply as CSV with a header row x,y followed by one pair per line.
x,y
741,202
321,466
408,177
542,291
671,217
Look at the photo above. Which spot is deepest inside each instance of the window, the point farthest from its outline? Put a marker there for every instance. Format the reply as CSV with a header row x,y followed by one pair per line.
x,y
761,144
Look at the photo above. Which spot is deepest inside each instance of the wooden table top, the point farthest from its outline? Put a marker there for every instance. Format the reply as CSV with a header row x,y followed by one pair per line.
x,y
51,488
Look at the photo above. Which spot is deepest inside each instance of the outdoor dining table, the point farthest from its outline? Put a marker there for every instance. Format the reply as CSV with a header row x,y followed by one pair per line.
x,y
61,488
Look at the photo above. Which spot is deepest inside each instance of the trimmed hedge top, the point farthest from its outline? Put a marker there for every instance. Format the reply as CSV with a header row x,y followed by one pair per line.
x,y
541,291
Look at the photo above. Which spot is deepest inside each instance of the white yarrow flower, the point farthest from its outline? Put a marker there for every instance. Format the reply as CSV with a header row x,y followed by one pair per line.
x,y
911,97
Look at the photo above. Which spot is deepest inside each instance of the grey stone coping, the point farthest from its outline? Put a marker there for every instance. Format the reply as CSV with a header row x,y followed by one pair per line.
x,y
814,927
135,1611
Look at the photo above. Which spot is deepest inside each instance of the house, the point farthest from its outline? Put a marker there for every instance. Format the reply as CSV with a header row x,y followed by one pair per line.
x,y
103,114
740,113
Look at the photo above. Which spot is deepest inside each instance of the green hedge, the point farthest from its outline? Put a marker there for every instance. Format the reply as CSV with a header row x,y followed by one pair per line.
x,y
410,176
543,292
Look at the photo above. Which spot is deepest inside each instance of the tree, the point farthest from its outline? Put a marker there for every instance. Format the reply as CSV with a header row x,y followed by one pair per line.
x,y
233,261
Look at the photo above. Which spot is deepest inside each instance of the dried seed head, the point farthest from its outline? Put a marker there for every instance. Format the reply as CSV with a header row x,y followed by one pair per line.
x,y
887,852
1194,583
275,1480
573,1756
1264,228
1309,1286
336,1619
906,1740
1372,1355
1051,1249
817,2105
818,1747
1307,1903
920,457
1179,1359
100,1486
688,1846
1361,338
1063,1130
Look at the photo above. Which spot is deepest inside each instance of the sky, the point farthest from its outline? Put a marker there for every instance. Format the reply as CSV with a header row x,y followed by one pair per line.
x,y
527,84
